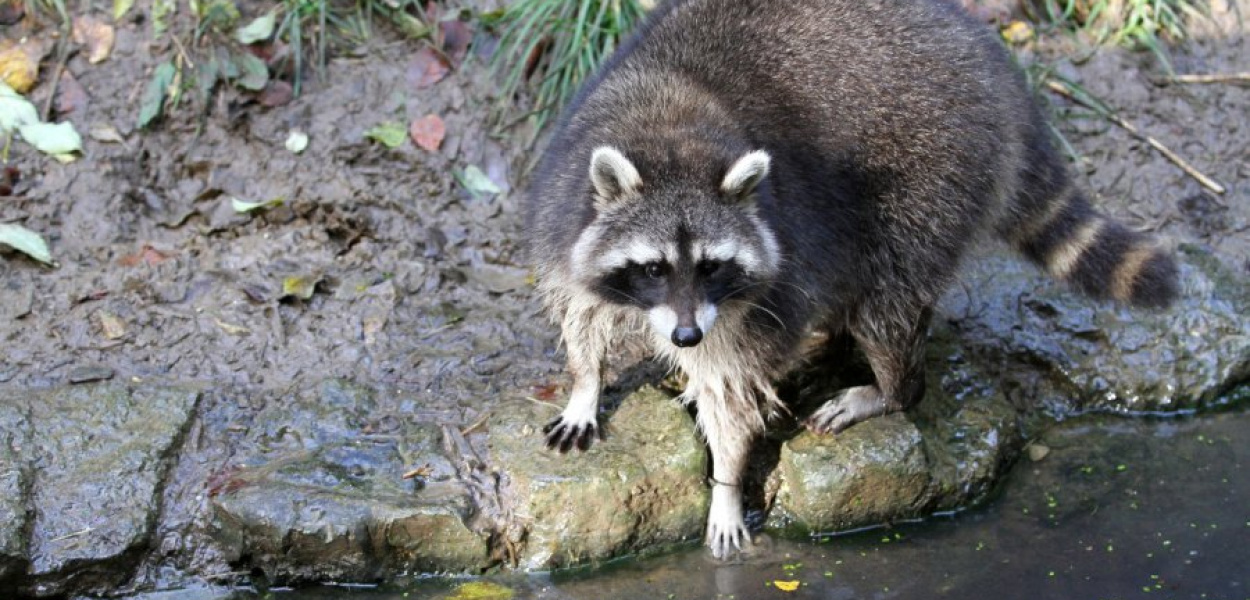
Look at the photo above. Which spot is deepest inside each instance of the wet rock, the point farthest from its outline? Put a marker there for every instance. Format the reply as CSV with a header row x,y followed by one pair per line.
x,y
641,486
89,373
1103,357
873,472
972,432
945,453
319,493
15,480
101,454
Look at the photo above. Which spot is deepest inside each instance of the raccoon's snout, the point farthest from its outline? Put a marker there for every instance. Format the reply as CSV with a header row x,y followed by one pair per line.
x,y
685,337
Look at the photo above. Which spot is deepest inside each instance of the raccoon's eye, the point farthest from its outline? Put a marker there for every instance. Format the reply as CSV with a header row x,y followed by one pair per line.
x,y
654,270
708,268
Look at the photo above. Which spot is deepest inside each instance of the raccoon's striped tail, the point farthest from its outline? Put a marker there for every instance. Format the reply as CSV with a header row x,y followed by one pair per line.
x,y
1095,254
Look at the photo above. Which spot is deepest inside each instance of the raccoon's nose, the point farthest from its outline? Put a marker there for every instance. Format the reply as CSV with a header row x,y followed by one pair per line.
x,y
685,337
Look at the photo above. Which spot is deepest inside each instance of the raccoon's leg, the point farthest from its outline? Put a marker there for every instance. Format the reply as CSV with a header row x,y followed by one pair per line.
x,y
585,340
894,342
729,437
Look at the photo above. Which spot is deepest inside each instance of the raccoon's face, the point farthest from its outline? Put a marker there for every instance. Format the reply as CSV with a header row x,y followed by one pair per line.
x,y
680,253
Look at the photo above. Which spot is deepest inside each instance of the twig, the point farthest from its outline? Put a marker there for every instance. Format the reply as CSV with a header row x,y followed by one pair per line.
x,y
1211,78
1207,182
542,402
422,471
75,534
182,52
478,423
63,52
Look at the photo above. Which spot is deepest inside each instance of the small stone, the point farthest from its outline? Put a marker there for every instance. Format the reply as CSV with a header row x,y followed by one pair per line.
x,y
1038,451
89,373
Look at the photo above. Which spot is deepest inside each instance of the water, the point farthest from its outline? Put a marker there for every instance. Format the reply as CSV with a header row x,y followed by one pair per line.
x,y
1118,509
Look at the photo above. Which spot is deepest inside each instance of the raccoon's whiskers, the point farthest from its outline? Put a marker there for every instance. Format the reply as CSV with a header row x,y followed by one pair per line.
x,y
768,312
627,296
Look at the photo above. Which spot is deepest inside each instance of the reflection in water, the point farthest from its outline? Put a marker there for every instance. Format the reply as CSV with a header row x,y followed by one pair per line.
x,y
1119,508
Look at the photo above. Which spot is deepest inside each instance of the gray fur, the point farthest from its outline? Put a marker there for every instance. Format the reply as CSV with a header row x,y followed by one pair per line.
x,y
895,131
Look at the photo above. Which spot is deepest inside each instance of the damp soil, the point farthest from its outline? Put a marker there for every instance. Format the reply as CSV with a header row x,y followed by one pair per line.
x,y
418,283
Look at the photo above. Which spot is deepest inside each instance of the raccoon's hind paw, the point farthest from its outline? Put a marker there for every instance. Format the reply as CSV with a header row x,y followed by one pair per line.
x,y
849,407
563,434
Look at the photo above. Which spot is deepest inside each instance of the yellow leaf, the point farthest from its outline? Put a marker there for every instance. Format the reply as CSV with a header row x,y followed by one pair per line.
x,y
1017,32
19,67
787,586
481,590
301,287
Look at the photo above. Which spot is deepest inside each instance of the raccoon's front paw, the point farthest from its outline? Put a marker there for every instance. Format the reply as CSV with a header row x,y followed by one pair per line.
x,y
726,528
849,407
564,432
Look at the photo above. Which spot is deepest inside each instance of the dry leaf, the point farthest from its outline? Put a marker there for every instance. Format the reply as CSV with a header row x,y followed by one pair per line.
x,y
276,93
111,325
427,132
19,66
456,37
147,255
231,328
96,35
106,133
426,68
11,12
70,95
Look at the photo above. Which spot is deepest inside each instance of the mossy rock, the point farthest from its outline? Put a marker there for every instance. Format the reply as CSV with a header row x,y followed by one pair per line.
x,y
642,486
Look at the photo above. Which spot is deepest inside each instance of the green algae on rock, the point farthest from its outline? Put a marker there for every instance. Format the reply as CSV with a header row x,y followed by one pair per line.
x,y
641,486
945,453
873,472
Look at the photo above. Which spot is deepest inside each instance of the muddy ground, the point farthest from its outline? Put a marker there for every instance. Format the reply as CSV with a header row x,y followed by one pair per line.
x,y
421,288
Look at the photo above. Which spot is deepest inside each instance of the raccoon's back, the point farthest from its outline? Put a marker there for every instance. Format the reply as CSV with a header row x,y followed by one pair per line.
x,y
837,90
888,76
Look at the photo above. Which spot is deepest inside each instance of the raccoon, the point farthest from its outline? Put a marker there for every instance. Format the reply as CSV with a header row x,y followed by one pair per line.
x,y
741,171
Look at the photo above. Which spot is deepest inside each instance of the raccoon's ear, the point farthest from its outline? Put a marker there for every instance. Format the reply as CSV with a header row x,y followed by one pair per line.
x,y
614,177
745,175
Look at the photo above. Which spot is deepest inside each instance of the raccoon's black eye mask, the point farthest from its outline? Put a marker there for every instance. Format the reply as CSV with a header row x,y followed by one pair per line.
x,y
722,279
641,285
647,285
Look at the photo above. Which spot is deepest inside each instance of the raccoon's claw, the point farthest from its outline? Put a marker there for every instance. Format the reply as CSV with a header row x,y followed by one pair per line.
x,y
726,528
724,541
563,435
849,407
